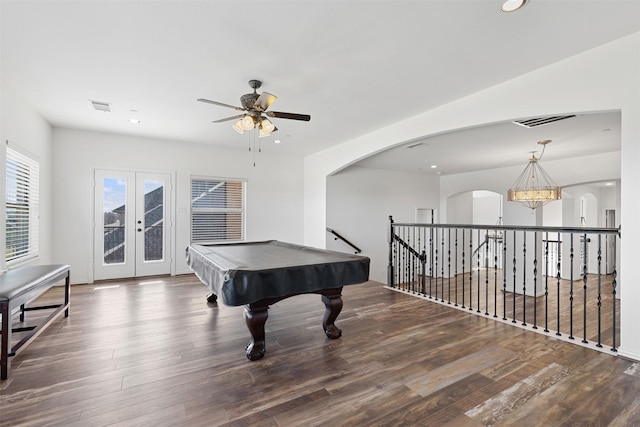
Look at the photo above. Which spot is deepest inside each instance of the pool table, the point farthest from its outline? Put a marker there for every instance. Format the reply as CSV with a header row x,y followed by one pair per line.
x,y
259,274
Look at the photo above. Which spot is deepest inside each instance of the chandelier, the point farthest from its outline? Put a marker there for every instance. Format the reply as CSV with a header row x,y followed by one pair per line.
x,y
534,188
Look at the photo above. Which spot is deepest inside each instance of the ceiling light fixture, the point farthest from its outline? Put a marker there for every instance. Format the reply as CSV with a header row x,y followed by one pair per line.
x,y
266,128
248,123
513,5
237,126
534,188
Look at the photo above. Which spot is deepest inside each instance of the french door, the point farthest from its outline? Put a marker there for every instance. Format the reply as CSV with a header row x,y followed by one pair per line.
x,y
132,224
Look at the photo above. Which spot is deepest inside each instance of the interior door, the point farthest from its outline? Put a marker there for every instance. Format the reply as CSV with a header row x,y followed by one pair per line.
x,y
132,224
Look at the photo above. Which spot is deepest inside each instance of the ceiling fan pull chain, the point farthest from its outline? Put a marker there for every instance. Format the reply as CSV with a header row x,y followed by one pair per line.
x,y
253,138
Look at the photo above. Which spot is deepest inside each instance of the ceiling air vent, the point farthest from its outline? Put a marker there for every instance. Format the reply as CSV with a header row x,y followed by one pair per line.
x,y
101,106
539,121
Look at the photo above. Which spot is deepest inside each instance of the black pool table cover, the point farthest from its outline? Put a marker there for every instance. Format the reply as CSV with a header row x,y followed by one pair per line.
x,y
246,272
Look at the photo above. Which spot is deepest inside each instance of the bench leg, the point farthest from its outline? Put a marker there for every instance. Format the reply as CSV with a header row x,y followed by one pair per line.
x,y
67,293
6,340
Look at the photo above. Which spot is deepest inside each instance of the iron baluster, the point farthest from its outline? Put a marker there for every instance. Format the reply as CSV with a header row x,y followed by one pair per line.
x,y
514,277
546,283
431,262
558,297
504,277
470,270
438,265
495,276
463,278
442,266
524,279
486,273
535,280
423,262
449,265
613,285
571,262
599,344
478,281
390,237
584,288
456,270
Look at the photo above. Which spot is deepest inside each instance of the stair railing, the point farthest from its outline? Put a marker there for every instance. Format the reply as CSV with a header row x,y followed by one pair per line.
x,y
538,278
337,236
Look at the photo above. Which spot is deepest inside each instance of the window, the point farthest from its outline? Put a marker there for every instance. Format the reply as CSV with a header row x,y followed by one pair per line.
x,y
22,206
217,209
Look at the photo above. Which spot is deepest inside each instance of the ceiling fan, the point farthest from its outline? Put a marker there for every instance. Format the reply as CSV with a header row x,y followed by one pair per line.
x,y
255,106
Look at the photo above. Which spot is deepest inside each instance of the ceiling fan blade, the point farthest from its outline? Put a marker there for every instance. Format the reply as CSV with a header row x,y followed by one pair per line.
x,y
208,101
292,116
264,100
228,118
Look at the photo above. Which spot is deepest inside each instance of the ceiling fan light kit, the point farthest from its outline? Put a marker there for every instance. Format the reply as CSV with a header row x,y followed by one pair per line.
x,y
237,126
248,123
255,105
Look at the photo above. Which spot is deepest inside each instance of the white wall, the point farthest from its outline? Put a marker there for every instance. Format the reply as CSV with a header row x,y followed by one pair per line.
x,y
486,207
359,202
22,126
459,208
274,189
602,79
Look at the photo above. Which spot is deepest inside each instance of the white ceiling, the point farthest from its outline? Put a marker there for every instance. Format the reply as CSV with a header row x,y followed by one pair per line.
x,y
354,66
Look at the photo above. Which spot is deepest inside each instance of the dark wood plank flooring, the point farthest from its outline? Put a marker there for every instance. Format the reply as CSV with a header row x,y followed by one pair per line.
x,y
153,352
470,291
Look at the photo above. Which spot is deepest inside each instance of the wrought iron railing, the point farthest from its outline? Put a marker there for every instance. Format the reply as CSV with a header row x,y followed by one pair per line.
x,y
551,280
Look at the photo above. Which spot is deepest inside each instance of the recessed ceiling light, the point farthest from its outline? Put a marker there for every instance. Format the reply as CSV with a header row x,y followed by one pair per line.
x,y
276,141
134,121
609,183
434,166
513,5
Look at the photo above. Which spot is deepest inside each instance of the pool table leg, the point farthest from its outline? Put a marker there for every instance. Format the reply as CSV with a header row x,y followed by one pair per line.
x,y
255,317
332,299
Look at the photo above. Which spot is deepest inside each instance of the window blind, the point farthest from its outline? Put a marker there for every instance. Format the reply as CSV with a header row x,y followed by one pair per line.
x,y
22,205
217,209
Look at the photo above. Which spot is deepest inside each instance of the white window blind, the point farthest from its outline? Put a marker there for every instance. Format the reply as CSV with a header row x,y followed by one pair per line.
x,y
22,205
217,209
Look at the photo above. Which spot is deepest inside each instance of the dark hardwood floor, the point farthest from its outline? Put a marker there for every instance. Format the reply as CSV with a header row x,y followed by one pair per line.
x,y
569,319
152,352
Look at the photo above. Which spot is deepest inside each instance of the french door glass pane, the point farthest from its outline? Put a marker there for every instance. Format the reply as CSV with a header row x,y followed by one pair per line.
x,y
114,204
153,220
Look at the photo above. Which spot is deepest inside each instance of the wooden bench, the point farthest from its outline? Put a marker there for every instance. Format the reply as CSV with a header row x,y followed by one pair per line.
x,y
17,289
